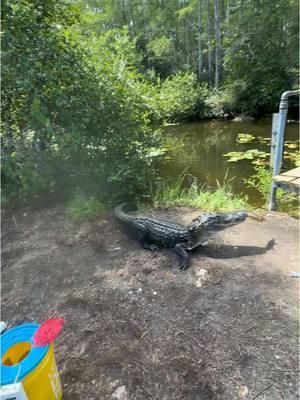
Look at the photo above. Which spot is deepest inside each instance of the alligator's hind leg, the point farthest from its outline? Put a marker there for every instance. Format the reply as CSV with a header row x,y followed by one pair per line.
x,y
147,244
185,259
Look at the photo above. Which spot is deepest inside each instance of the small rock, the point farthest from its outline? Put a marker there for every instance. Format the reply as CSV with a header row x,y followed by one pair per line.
x,y
147,271
140,289
154,293
120,393
3,326
295,274
242,392
201,274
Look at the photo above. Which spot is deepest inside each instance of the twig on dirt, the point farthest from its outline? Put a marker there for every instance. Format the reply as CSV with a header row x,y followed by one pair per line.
x,y
140,365
184,333
202,312
236,312
182,356
143,334
189,336
213,282
282,371
233,318
64,333
247,330
14,219
263,391
256,216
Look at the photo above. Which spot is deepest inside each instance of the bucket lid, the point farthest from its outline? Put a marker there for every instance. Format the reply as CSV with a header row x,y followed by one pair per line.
x,y
48,331
16,372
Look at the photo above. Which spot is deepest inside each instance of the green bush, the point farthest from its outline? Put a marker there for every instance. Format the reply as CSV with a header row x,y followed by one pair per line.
x,y
224,101
178,97
82,98
82,207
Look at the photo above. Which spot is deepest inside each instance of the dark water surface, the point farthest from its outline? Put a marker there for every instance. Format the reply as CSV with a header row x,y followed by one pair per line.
x,y
199,148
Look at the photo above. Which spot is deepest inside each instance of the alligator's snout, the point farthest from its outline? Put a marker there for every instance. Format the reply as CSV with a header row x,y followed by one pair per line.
x,y
234,218
221,221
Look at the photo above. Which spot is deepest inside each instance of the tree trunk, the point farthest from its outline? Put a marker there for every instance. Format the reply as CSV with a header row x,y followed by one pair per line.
x,y
208,28
199,58
123,7
240,8
145,34
186,44
131,20
227,11
218,43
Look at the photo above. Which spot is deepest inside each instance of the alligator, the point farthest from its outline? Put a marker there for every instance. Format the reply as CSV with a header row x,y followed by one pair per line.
x,y
156,233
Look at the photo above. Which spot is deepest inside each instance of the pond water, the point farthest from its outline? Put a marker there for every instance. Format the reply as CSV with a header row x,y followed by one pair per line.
x,y
199,147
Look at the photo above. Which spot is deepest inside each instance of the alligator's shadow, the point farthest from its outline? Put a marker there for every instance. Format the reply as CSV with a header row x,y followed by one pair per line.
x,y
228,251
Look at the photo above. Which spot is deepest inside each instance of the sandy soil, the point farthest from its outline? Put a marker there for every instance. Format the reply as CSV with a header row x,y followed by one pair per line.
x,y
137,328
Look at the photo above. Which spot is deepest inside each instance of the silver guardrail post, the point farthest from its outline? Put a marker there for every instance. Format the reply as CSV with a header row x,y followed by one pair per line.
x,y
278,132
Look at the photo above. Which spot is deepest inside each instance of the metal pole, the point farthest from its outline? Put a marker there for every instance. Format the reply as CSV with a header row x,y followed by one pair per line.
x,y
274,139
283,109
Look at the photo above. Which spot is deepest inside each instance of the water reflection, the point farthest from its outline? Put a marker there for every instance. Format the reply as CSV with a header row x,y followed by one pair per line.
x,y
200,147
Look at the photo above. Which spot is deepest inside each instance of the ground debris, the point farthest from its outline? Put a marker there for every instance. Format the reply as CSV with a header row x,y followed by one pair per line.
x,y
120,393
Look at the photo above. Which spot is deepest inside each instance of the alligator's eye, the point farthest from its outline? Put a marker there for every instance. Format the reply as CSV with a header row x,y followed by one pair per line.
x,y
215,219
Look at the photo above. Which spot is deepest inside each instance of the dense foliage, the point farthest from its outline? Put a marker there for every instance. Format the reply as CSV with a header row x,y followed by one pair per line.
x,y
72,111
86,82
246,49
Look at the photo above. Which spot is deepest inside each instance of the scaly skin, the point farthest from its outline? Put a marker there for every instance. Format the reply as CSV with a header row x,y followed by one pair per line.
x,y
155,234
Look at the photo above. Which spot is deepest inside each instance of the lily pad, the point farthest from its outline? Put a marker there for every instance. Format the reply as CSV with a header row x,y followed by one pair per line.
x,y
259,162
245,138
295,158
263,155
291,145
258,153
238,155
245,155
264,139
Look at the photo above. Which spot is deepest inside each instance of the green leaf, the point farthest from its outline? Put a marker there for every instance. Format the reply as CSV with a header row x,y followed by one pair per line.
x,y
245,138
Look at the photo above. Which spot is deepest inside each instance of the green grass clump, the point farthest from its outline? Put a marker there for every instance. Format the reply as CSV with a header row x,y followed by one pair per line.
x,y
82,207
220,199
262,181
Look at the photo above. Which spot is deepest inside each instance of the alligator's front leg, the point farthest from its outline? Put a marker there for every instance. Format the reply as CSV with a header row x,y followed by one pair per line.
x,y
147,244
185,259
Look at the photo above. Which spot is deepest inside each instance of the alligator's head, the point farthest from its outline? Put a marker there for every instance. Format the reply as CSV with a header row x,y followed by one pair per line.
x,y
217,221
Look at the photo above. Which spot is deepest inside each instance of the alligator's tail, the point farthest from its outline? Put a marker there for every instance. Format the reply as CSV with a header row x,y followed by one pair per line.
x,y
120,213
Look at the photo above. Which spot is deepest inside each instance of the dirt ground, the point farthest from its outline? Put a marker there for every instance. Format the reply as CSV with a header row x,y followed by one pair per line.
x,y
137,328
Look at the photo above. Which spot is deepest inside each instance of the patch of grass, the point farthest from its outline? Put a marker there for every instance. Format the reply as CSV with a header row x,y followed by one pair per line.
x,y
289,203
262,181
220,199
82,207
